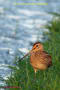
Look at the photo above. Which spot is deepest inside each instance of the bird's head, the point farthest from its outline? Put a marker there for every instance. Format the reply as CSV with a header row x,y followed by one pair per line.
x,y
37,46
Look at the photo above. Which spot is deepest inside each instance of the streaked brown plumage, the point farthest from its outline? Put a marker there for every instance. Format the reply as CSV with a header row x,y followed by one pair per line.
x,y
39,59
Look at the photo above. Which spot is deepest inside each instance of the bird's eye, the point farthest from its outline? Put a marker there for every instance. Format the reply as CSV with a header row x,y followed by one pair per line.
x,y
36,45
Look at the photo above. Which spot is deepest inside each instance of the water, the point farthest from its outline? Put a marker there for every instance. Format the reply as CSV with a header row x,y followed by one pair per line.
x,y
20,27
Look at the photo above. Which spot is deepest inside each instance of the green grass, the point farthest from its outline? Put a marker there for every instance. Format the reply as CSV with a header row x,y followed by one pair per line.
x,y
23,75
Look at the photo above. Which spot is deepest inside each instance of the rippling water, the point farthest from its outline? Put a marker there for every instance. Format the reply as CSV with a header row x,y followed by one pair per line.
x,y
20,26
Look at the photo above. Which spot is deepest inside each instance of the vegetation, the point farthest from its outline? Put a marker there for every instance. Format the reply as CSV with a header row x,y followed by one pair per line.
x,y
23,75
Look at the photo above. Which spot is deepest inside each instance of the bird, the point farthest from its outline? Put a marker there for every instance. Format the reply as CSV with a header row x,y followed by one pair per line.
x,y
39,59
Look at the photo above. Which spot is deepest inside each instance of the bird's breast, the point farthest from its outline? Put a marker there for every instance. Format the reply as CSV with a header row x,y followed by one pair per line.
x,y
40,59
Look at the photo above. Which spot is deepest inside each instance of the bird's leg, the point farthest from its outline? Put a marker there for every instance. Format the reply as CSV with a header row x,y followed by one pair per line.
x,y
35,70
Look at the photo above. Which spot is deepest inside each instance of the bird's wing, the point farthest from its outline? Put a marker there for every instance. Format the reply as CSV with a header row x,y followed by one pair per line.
x,y
44,58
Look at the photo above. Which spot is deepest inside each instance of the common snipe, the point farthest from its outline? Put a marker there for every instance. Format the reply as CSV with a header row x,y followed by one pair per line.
x,y
39,59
